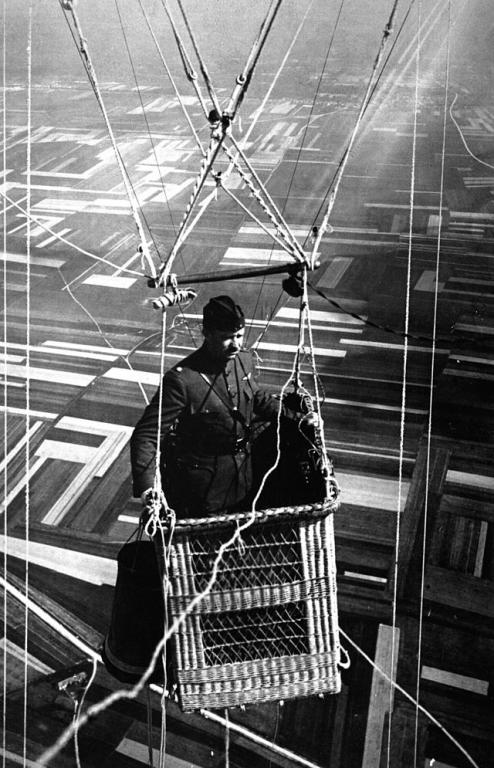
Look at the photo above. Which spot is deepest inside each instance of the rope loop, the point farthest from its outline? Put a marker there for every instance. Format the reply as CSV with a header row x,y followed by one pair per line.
x,y
347,663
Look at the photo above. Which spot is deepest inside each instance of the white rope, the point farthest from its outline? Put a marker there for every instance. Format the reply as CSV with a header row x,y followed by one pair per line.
x,y
431,386
206,165
269,207
202,63
27,520
404,375
243,80
64,240
68,6
254,218
257,739
341,169
124,358
462,137
405,693
190,73
5,384
172,81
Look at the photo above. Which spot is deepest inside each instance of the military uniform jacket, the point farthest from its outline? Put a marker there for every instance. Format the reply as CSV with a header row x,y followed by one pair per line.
x,y
208,412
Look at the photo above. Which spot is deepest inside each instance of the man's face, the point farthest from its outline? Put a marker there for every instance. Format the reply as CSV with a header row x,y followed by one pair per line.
x,y
224,345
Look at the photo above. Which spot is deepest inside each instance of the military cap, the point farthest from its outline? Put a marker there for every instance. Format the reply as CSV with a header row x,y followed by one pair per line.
x,y
222,314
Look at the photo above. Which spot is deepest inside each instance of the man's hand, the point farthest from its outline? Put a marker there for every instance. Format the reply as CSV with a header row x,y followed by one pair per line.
x,y
311,419
149,497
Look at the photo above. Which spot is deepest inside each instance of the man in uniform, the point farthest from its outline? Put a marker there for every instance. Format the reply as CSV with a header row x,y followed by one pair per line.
x,y
209,400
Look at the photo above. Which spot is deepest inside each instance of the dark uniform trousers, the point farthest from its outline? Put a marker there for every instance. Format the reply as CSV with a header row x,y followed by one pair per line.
x,y
206,418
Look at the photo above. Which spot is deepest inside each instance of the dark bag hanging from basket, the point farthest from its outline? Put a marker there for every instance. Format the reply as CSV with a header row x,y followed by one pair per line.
x,y
298,477
137,615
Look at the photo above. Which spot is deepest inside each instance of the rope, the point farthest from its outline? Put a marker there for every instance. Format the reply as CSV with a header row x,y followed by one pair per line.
x,y
64,240
202,64
251,215
243,80
78,710
28,368
257,739
143,109
183,233
314,100
462,137
404,377
431,387
172,81
275,217
388,329
405,693
5,383
343,163
68,6
206,165
124,358
227,739
190,73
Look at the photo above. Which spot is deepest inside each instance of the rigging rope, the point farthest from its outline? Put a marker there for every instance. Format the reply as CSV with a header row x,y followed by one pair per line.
x,y
273,212
27,500
68,7
202,63
62,239
172,81
5,381
431,385
220,130
143,109
404,376
243,80
190,73
462,137
343,162
410,698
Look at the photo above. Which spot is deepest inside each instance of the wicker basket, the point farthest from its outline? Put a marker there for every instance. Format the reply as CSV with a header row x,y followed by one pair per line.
x,y
268,629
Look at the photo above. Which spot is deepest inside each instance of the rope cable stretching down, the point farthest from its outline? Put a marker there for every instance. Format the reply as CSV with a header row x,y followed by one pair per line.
x,y
68,6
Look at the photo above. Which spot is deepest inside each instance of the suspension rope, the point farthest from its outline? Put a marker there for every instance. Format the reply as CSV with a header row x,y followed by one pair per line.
x,y
404,376
202,65
190,73
143,108
253,217
184,232
462,137
410,698
388,329
243,80
343,163
431,386
172,81
64,240
233,159
5,383
68,7
27,492
314,101
274,214
206,164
